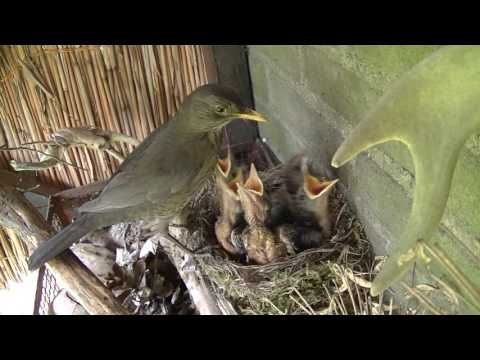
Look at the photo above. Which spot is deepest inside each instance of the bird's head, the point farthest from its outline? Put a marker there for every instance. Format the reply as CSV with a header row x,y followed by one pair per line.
x,y
224,165
314,187
252,197
211,107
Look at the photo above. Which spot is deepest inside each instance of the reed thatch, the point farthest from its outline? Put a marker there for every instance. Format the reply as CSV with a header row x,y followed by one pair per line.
x,y
121,88
13,261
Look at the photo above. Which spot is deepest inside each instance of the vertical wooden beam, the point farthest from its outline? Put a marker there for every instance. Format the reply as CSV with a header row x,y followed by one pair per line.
x,y
231,64
210,66
38,292
232,70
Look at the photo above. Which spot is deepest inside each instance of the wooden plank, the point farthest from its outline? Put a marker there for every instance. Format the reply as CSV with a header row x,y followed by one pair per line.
x,y
232,71
20,215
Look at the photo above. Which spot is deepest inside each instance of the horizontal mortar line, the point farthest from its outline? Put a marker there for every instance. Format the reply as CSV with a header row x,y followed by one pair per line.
x,y
362,74
388,165
377,225
345,127
378,228
279,71
468,247
290,131
367,72
395,171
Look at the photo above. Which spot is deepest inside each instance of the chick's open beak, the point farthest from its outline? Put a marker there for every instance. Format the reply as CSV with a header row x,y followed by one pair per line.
x,y
249,114
314,188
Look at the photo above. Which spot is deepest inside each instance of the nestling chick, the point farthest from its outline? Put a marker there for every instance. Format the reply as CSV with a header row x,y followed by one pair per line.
x,y
298,236
224,165
292,173
260,243
283,193
230,208
302,217
316,198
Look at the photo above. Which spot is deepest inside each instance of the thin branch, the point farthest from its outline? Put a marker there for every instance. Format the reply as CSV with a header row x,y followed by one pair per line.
x,y
115,154
40,152
39,143
117,137
91,138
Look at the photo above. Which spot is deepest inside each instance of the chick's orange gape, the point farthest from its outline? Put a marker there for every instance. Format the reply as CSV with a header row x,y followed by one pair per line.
x,y
279,220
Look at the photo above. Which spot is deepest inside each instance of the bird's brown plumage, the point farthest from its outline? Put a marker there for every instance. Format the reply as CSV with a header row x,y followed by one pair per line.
x,y
317,193
227,177
260,243
161,175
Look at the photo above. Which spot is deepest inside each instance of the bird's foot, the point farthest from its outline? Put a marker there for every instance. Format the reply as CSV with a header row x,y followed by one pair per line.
x,y
203,249
181,226
195,253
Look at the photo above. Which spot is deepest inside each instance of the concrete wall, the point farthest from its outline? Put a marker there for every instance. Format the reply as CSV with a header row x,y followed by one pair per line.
x,y
315,95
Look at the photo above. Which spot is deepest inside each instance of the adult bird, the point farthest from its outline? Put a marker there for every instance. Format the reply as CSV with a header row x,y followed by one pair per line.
x,y
162,174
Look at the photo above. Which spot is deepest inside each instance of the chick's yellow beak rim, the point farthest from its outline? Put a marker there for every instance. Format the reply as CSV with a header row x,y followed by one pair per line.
x,y
249,114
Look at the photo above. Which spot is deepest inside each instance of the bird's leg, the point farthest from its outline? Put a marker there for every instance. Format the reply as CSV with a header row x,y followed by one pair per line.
x,y
194,253
178,226
161,227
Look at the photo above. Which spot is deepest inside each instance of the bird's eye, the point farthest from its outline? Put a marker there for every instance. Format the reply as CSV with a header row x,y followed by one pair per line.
x,y
220,109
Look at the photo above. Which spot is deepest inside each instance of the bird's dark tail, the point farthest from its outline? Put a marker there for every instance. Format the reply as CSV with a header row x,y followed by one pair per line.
x,y
61,241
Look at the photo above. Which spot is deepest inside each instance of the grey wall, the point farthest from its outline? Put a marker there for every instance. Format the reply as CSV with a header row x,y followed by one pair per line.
x,y
315,95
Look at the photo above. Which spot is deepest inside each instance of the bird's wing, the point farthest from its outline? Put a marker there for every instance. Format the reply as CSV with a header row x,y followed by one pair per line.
x,y
161,134
157,169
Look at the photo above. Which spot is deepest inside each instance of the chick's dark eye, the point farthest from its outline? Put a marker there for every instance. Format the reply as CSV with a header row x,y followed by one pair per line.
x,y
220,109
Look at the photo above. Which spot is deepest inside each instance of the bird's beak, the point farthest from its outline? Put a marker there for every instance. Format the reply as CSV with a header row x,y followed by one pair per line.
x,y
315,188
243,195
237,180
249,114
225,165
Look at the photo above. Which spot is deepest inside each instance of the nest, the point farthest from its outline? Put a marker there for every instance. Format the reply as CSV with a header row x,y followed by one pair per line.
x,y
334,278
142,279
